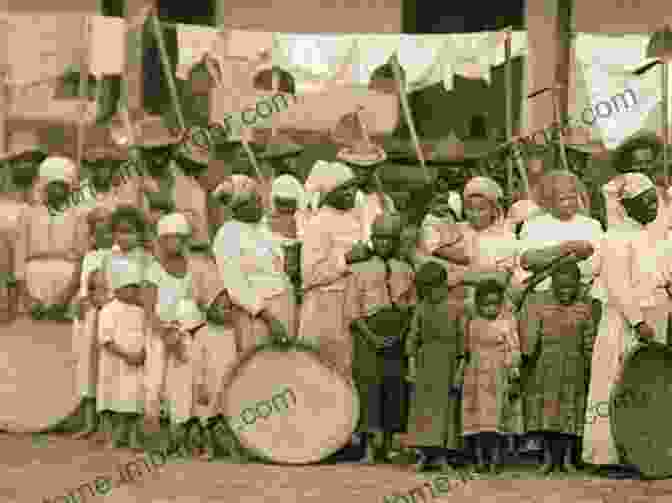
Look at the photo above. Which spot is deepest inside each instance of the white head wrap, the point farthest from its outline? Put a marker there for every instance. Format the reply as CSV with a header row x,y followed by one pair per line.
x,y
288,187
489,189
625,186
58,169
325,177
188,314
124,272
174,223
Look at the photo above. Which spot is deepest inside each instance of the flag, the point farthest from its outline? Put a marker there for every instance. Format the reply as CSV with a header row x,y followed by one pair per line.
x,y
107,49
611,101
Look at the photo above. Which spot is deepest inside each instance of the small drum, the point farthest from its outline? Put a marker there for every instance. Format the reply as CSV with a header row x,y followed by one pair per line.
x,y
640,410
37,375
287,406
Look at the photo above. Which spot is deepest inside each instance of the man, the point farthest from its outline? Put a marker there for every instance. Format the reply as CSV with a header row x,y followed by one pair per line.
x,y
364,158
636,270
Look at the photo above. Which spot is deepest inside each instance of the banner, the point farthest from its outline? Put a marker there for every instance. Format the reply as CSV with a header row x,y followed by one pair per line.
x,y
609,101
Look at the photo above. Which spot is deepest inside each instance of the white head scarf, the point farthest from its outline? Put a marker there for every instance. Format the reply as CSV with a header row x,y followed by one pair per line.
x,y
174,223
288,187
325,177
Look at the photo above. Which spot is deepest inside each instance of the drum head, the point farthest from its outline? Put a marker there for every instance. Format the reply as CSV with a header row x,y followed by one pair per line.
x,y
640,410
37,375
286,406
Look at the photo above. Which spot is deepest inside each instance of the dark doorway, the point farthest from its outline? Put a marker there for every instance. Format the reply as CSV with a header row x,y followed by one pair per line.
x,y
461,17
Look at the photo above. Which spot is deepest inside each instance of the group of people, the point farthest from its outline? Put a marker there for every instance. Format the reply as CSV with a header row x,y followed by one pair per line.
x,y
484,323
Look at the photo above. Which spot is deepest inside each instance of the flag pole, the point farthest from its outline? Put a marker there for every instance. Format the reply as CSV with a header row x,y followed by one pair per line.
x,y
165,64
83,92
407,113
508,107
665,82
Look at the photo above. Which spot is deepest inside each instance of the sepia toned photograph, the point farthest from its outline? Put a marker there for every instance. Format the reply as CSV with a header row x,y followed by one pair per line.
x,y
311,251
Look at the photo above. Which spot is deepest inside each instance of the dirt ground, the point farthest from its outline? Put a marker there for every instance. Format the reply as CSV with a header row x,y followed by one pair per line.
x,y
40,468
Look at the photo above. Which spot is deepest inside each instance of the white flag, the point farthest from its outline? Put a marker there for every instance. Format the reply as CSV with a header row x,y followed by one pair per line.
x,y
107,45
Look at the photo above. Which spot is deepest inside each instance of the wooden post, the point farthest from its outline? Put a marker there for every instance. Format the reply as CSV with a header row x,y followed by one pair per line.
x,y
4,89
665,81
508,111
83,92
562,69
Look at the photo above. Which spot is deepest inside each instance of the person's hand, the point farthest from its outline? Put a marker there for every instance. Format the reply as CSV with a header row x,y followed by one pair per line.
x,y
136,359
171,335
645,332
360,253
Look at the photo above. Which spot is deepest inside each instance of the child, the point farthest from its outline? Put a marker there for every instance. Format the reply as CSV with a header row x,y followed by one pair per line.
x,y
92,296
171,282
380,293
179,340
557,332
493,360
435,347
217,355
121,337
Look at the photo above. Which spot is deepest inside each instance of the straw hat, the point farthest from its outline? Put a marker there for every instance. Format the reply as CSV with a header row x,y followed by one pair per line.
x,y
360,150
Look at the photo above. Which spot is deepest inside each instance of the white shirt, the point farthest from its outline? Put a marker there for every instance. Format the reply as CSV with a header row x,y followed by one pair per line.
x,y
545,230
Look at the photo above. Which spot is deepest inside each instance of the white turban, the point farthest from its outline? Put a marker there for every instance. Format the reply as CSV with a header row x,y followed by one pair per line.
x,y
288,187
58,169
124,272
174,223
188,314
324,178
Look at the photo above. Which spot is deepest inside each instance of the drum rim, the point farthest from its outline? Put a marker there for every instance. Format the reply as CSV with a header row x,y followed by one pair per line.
x,y
294,345
628,359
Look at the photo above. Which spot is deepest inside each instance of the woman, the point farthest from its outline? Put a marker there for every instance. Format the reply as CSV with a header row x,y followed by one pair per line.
x,y
251,260
636,277
482,244
329,236
51,245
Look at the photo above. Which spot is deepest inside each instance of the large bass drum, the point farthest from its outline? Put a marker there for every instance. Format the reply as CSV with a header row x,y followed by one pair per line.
x,y
640,410
37,375
287,406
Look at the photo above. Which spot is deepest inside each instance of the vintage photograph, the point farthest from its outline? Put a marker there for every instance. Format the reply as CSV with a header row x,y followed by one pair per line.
x,y
303,251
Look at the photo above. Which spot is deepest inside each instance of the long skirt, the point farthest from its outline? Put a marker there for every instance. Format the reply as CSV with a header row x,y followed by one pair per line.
x,y
615,339
179,389
120,385
86,349
217,356
155,374
253,331
323,325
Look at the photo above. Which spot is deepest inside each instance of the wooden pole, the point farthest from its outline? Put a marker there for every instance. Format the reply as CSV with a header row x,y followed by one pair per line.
x,y
4,88
83,93
508,115
167,72
409,118
665,80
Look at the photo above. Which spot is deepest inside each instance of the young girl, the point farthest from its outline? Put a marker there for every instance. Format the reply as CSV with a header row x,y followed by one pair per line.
x,y
92,296
171,282
493,361
121,336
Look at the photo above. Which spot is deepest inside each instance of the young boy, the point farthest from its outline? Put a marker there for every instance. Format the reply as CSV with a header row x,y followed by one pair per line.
x,y
93,295
121,336
435,347
493,362
557,332
380,293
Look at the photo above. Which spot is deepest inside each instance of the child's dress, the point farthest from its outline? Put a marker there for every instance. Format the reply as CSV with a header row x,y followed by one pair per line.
x,y
120,385
493,349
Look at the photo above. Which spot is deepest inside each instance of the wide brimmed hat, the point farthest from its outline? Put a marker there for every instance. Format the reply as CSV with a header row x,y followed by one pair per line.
x,y
359,149
280,147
